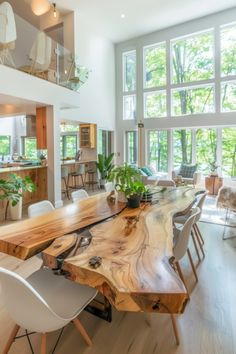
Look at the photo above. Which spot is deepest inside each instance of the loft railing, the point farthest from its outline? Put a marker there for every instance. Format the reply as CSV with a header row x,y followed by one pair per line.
x,y
25,48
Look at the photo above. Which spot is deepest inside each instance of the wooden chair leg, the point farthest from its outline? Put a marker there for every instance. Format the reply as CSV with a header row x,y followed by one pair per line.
x,y
11,339
192,264
43,349
175,328
181,276
198,240
82,331
195,246
199,233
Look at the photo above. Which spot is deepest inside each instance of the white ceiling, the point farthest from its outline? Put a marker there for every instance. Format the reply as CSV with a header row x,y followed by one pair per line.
x,y
141,16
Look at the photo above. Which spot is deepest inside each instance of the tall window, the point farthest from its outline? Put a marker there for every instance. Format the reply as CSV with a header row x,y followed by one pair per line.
x,y
5,145
129,85
182,147
104,142
68,145
192,61
158,150
131,147
29,147
229,152
154,80
206,148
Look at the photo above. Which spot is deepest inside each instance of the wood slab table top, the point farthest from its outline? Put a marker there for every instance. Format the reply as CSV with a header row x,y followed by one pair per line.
x,y
28,237
135,248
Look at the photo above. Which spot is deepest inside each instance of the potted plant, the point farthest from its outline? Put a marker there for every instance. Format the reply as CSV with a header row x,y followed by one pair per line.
x,y
134,193
124,177
213,168
104,166
11,190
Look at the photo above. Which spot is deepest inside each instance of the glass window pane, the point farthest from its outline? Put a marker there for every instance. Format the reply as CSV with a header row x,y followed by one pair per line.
x,y
193,101
206,140
228,50
155,66
229,152
228,96
102,142
129,107
129,71
182,147
30,148
131,147
192,58
5,145
68,146
158,150
155,104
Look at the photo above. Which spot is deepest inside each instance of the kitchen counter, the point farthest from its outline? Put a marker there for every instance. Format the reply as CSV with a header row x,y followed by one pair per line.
x,y
19,168
73,162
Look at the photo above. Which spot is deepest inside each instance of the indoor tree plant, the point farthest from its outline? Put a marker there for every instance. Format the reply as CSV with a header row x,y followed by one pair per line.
x,y
104,166
11,190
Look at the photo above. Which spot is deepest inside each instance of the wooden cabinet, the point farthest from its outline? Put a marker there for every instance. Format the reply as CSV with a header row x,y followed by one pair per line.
x,y
213,184
88,135
41,128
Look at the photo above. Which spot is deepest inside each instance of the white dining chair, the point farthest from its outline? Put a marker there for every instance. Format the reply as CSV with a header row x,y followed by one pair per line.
x,y
79,195
40,208
7,33
109,186
166,183
43,303
181,241
40,54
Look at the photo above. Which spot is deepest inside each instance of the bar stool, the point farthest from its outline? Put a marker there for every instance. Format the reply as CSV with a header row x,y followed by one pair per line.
x,y
64,178
91,175
79,172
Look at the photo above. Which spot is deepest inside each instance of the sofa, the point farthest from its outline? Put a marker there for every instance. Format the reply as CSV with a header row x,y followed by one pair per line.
x,y
150,176
188,173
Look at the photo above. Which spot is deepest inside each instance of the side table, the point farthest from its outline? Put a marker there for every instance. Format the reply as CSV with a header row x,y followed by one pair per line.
x,y
213,184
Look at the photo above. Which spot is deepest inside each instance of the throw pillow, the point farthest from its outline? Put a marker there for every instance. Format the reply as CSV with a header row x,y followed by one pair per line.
x,y
187,171
145,170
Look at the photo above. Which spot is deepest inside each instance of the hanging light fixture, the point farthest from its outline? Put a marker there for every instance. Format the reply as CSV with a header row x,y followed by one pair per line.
x,y
40,7
54,10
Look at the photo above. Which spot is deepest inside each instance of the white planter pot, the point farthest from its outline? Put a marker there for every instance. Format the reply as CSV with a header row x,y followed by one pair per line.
x,y
121,197
16,211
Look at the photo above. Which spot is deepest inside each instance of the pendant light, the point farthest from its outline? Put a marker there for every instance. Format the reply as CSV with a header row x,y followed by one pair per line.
x,y
40,7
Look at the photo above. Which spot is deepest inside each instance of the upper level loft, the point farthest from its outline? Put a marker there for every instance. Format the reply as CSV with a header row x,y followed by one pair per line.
x,y
37,48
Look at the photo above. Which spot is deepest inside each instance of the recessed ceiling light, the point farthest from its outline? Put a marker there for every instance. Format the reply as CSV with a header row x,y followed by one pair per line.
x,y
122,16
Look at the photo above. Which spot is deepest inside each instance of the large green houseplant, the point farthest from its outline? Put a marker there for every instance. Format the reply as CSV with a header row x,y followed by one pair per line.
x,y
127,181
11,190
104,166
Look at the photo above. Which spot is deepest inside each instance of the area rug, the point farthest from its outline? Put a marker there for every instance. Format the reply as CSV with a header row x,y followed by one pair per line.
x,y
212,214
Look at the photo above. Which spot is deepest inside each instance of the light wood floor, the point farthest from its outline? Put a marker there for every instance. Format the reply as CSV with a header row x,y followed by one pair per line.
x,y
208,325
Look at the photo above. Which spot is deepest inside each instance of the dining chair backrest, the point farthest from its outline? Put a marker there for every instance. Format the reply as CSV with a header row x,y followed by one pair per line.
x,y
109,186
64,172
40,52
26,306
166,183
199,204
40,208
79,195
7,24
181,244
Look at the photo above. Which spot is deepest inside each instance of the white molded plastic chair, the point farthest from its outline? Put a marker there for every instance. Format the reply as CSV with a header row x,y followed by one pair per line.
x,y
40,208
109,187
40,54
166,183
7,33
43,303
79,195
181,241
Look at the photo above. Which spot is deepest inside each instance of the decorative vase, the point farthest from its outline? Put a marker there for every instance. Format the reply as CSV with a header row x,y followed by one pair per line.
x,y
121,197
16,211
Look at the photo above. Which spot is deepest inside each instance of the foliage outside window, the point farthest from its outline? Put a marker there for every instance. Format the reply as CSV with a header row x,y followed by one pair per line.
x,y
228,50
158,149
229,152
102,142
68,146
131,142
193,58
64,127
193,100
29,147
129,107
182,147
206,149
155,104
5,145
129,71
155,65
228,96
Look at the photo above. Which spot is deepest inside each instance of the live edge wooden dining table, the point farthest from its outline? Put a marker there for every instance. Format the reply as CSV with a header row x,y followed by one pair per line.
x,y
134,245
